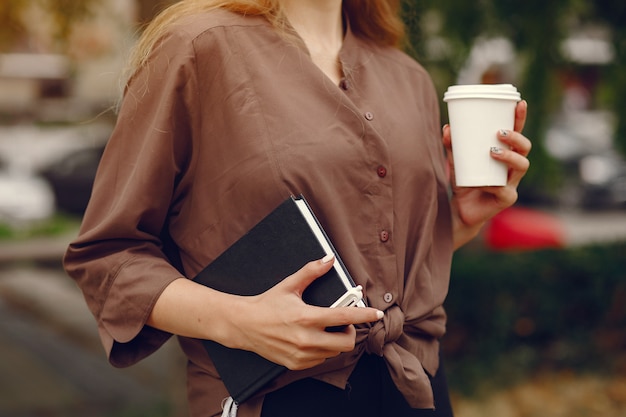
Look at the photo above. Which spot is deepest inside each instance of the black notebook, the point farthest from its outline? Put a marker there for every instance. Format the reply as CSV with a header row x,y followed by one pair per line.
x,y
279,245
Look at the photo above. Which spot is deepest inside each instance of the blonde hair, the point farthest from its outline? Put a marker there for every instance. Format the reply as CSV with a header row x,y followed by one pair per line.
x,y
375,20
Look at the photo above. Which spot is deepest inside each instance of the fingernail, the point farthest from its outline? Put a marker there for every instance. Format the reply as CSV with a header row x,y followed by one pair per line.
x,y
496,150
326,259
380,315
504,133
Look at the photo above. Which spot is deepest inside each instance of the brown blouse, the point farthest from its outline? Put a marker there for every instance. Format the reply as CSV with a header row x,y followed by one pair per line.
x,y
228,119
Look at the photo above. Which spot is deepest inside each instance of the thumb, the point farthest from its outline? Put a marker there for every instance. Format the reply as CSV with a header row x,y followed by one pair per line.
x,y
301,279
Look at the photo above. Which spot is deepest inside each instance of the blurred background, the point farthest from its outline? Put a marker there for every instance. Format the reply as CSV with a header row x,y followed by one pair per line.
x,y
537,305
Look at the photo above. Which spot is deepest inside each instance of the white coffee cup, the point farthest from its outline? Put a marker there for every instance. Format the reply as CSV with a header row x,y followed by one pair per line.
x,y
476,113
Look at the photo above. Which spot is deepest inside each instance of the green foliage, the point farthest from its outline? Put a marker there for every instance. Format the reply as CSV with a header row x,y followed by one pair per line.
x,y
614,12
63,13
514,313
57,225
536,28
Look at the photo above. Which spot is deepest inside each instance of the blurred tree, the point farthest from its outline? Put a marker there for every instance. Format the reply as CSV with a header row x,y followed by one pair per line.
x,y
441,34
613,13
536,28
12,27
63,14
534,34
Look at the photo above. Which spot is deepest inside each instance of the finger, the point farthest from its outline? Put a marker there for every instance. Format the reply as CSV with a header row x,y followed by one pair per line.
x,y
345,316
310,349
447,143
301,359
521,111
447,140
515,141
331,343
304,358
503,196
517,163
301,279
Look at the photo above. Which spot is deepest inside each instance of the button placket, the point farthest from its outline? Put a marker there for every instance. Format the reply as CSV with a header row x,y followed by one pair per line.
x,y
380,191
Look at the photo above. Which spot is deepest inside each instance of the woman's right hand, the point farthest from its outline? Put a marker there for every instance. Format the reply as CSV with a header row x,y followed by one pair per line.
x,y
281,327
277,324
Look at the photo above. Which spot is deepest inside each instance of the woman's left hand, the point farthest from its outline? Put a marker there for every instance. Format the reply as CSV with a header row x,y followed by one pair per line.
x,y
473,206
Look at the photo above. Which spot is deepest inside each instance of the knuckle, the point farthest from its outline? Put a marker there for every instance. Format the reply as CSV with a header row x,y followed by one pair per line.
x,y
294,365
301,341
312,268
300,361
510,197
524,164
349,345
304,318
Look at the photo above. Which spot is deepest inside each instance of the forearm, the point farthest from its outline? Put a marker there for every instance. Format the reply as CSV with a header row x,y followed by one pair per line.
x,y
276,324
189,309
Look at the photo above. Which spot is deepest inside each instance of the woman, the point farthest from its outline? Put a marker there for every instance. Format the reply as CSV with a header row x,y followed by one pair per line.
x,y
231,107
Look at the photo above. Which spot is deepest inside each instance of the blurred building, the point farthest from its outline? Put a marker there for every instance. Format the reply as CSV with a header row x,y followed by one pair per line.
x,y
40,79
55,102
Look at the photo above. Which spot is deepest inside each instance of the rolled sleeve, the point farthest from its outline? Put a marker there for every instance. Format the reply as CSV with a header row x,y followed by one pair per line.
x,y
126,311
120,260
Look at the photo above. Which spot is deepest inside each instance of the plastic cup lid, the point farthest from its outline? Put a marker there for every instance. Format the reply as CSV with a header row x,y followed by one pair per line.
x,y
493,91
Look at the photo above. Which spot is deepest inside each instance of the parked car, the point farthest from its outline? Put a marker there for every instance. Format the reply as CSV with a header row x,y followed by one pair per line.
x,y
71,178
595,171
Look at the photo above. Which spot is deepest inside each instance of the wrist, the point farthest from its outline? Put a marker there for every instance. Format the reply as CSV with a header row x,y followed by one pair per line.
x,y
191,310
462,232
227,327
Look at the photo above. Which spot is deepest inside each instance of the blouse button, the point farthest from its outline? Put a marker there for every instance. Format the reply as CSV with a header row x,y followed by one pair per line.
x,y
384,236
388,297
369,116
382,171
